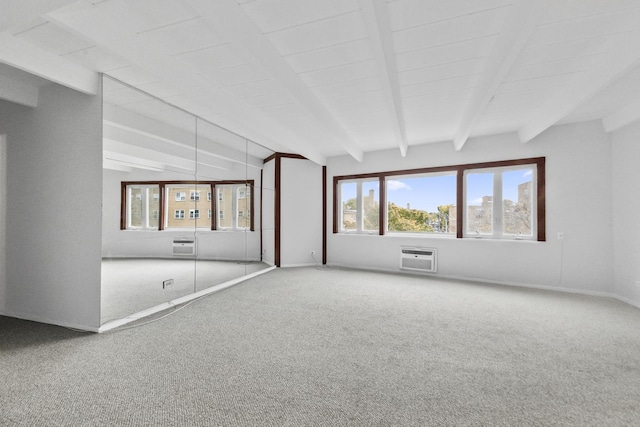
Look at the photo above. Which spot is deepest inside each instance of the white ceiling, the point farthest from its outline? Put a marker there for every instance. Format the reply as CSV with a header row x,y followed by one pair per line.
x,y
330,77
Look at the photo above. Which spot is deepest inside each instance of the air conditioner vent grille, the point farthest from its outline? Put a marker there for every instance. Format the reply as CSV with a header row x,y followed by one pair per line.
x,y
418,259
184,246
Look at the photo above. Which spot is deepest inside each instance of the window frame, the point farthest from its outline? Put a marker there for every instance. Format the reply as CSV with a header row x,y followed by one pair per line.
x,y
414,176
497,202
236,187
210,204
359,216
145,200
537,162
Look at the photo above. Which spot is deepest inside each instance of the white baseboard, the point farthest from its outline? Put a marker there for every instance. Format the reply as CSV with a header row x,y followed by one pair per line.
x,y
164,306
498,282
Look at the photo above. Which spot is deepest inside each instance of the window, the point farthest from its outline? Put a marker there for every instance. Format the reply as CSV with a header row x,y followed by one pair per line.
x,y
142,206
164,205
192,205
421,203
499,200
234,204
360,206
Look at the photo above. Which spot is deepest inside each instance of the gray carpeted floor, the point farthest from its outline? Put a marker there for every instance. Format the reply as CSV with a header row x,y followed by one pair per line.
x,y
311,347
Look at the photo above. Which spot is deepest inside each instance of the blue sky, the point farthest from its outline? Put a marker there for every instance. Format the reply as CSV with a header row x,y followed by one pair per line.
x,y
427,193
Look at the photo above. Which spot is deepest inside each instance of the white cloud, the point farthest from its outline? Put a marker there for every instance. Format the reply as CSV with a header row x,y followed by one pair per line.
x,y
528,173
397,185
476,202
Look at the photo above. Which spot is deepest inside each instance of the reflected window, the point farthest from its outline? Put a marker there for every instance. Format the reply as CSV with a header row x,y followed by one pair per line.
x,y
143,205
234,206
176,194
164,205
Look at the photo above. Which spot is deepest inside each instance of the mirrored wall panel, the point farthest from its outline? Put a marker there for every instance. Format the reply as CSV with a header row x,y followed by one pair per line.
x,y
181,203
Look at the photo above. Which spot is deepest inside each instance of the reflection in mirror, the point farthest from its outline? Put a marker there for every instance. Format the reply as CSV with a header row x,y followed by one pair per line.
x,y
229,247
181,204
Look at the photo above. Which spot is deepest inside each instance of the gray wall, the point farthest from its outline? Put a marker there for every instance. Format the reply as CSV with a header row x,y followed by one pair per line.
x,y
579,203
301,224
54,195
625,209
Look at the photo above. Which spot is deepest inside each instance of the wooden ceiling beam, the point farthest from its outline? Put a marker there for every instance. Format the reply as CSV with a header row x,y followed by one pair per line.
x,y
520,23
376,17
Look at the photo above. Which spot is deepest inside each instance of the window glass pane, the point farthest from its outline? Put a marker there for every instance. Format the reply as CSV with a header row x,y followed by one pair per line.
x,y
424,204
244,204
225,206
135,206
186,198
517,193
371,205
479,192
349,203
154,206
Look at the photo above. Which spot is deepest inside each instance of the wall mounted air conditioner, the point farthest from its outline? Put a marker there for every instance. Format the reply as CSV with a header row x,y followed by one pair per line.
x,y
418,259
184,246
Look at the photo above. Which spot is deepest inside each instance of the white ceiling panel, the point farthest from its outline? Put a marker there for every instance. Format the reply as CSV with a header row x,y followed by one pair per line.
x,y
319,34
586,27
274,15
356,101
150,15
134,76
451,53
268,100
97,59
183,36
546,84
561,11
452,31
443,86
237,75
343,77
215,57
436,100
619,94
257,88
462,68
406,14
54,39
551,68
341,73
562,50
331,56
348,88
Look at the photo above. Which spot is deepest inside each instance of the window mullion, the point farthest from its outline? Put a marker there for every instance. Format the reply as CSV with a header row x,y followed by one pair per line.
x,y
145,208
497,204
359,208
